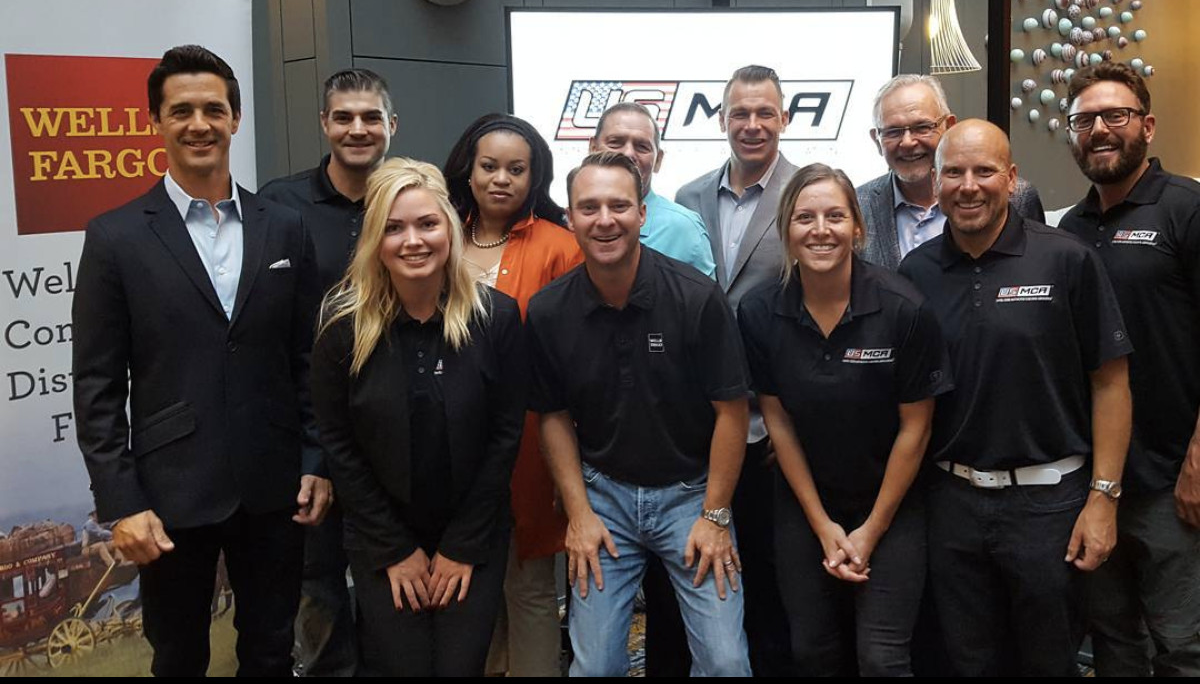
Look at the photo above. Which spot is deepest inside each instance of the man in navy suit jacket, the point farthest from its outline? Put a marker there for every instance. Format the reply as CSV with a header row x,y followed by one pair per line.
x,y
196,302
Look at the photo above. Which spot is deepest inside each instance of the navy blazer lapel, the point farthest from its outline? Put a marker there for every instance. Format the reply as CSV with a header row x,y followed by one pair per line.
x,y
255,225
163,217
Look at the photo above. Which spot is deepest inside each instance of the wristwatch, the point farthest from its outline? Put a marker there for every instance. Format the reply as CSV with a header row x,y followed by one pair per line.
x,y
721,517
1108,488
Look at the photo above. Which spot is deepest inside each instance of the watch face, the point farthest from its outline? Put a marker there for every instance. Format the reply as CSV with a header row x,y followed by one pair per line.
x,y
722,517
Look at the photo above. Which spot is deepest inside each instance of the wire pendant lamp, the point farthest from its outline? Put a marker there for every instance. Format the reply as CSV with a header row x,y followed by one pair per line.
x,y
949,51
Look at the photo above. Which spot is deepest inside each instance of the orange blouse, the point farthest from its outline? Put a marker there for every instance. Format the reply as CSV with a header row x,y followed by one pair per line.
x,y
537,252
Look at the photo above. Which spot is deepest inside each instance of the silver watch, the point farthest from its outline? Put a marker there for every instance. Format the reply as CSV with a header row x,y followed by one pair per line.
x,y
1108,488
721,517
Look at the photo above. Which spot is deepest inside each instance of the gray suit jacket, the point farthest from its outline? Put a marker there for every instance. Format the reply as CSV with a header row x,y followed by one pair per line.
x,y
760,256
878,204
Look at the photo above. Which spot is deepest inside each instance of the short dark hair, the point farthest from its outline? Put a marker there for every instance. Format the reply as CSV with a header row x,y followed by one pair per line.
x,y
191,59
354,80
610,160
752,73
1118,72
457,168
811,175
631,107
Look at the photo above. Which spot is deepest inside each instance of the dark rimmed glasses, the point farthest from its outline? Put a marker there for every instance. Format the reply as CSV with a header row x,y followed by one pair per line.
x,y
1117,117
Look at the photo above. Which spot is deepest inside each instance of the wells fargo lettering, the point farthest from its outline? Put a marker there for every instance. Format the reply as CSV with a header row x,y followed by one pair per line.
x,y
91,122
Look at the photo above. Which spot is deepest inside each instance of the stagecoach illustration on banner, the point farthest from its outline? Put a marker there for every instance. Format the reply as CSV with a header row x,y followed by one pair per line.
x,y
57,598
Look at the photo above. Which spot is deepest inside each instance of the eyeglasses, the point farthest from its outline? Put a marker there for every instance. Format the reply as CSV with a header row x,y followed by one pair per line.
x,y
918,130
1113,118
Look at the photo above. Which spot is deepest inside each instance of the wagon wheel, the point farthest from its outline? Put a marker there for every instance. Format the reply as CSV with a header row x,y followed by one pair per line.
x,y
71,640
16,664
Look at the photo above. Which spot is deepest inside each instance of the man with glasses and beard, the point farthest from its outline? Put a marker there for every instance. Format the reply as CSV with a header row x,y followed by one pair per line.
x,y
1145,224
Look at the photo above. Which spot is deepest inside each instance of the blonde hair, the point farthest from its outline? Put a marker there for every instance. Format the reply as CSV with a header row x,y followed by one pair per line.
x,y
365,293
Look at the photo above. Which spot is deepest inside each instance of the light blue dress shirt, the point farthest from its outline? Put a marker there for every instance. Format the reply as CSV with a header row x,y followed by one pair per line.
x,y
915,225
735,213
217,237
678,232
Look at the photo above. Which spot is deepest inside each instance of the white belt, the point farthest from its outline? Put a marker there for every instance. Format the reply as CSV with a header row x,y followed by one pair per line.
x,y
1046,474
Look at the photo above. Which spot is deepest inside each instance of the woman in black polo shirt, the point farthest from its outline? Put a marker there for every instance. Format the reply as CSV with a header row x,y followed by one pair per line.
x,y
418,383
846,362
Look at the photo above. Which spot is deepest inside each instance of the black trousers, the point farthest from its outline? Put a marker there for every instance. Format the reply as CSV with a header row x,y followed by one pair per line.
x,y
765,621
841,628
325,623
451,642
264,557
1008,602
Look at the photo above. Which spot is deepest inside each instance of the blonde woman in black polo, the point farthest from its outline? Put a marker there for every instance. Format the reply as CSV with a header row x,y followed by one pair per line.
x,y
418,380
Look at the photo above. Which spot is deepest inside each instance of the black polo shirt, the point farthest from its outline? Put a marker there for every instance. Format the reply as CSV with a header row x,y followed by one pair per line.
x,y
1150,245
843,392
638,381
431,506
333,220
1026,324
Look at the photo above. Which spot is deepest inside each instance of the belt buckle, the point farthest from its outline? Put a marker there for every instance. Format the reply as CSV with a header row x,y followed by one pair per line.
x,y
989,480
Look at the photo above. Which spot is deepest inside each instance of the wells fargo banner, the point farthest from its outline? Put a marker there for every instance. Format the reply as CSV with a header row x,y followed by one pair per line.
x,y
82,141
75,128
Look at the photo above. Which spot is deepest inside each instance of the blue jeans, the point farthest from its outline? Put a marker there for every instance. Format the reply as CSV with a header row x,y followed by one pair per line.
x,y
656,521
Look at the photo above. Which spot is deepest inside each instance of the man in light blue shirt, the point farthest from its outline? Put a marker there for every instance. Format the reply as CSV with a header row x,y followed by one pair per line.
x,y
670,228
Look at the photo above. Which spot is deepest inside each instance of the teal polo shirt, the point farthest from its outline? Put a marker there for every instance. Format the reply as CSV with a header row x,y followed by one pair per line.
x,y
679,233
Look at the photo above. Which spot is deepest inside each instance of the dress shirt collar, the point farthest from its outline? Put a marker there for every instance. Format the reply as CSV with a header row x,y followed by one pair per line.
x,y
761,183
183,201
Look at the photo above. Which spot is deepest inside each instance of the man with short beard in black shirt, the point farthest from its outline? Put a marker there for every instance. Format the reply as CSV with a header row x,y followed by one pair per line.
x,y
1144,223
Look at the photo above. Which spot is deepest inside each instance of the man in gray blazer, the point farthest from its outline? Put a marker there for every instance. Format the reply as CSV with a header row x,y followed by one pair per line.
x,y
738,202
899,207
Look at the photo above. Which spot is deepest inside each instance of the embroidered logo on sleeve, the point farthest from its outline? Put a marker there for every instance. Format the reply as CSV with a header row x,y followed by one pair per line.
x,y
1135,237
868,355
1025,293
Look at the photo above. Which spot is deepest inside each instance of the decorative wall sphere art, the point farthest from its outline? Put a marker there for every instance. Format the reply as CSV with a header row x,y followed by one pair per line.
x,y
1091,32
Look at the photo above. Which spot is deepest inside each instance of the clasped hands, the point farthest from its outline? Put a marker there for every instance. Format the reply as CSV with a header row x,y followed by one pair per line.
x,y
423,584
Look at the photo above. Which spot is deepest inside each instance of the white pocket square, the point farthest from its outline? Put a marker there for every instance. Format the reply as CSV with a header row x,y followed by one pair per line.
x,y
282,263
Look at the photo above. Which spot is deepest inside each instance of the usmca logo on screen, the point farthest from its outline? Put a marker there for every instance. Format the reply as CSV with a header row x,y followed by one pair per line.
x,y
689,110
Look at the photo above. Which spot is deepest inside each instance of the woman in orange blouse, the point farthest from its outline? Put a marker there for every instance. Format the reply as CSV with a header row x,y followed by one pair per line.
x,y
499,175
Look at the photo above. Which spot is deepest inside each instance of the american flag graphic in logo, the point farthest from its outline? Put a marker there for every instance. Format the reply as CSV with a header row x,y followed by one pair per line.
x,y
587,100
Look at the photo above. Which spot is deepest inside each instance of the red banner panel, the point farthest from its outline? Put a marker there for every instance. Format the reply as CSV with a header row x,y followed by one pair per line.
x,y
82,142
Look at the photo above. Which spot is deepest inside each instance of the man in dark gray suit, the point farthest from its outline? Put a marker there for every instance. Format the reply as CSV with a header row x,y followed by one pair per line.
x,y
738,201
899,207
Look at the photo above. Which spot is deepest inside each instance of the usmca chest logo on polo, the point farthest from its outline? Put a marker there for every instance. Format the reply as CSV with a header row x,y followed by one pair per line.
x,y
868,355
1025,293
1135,237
